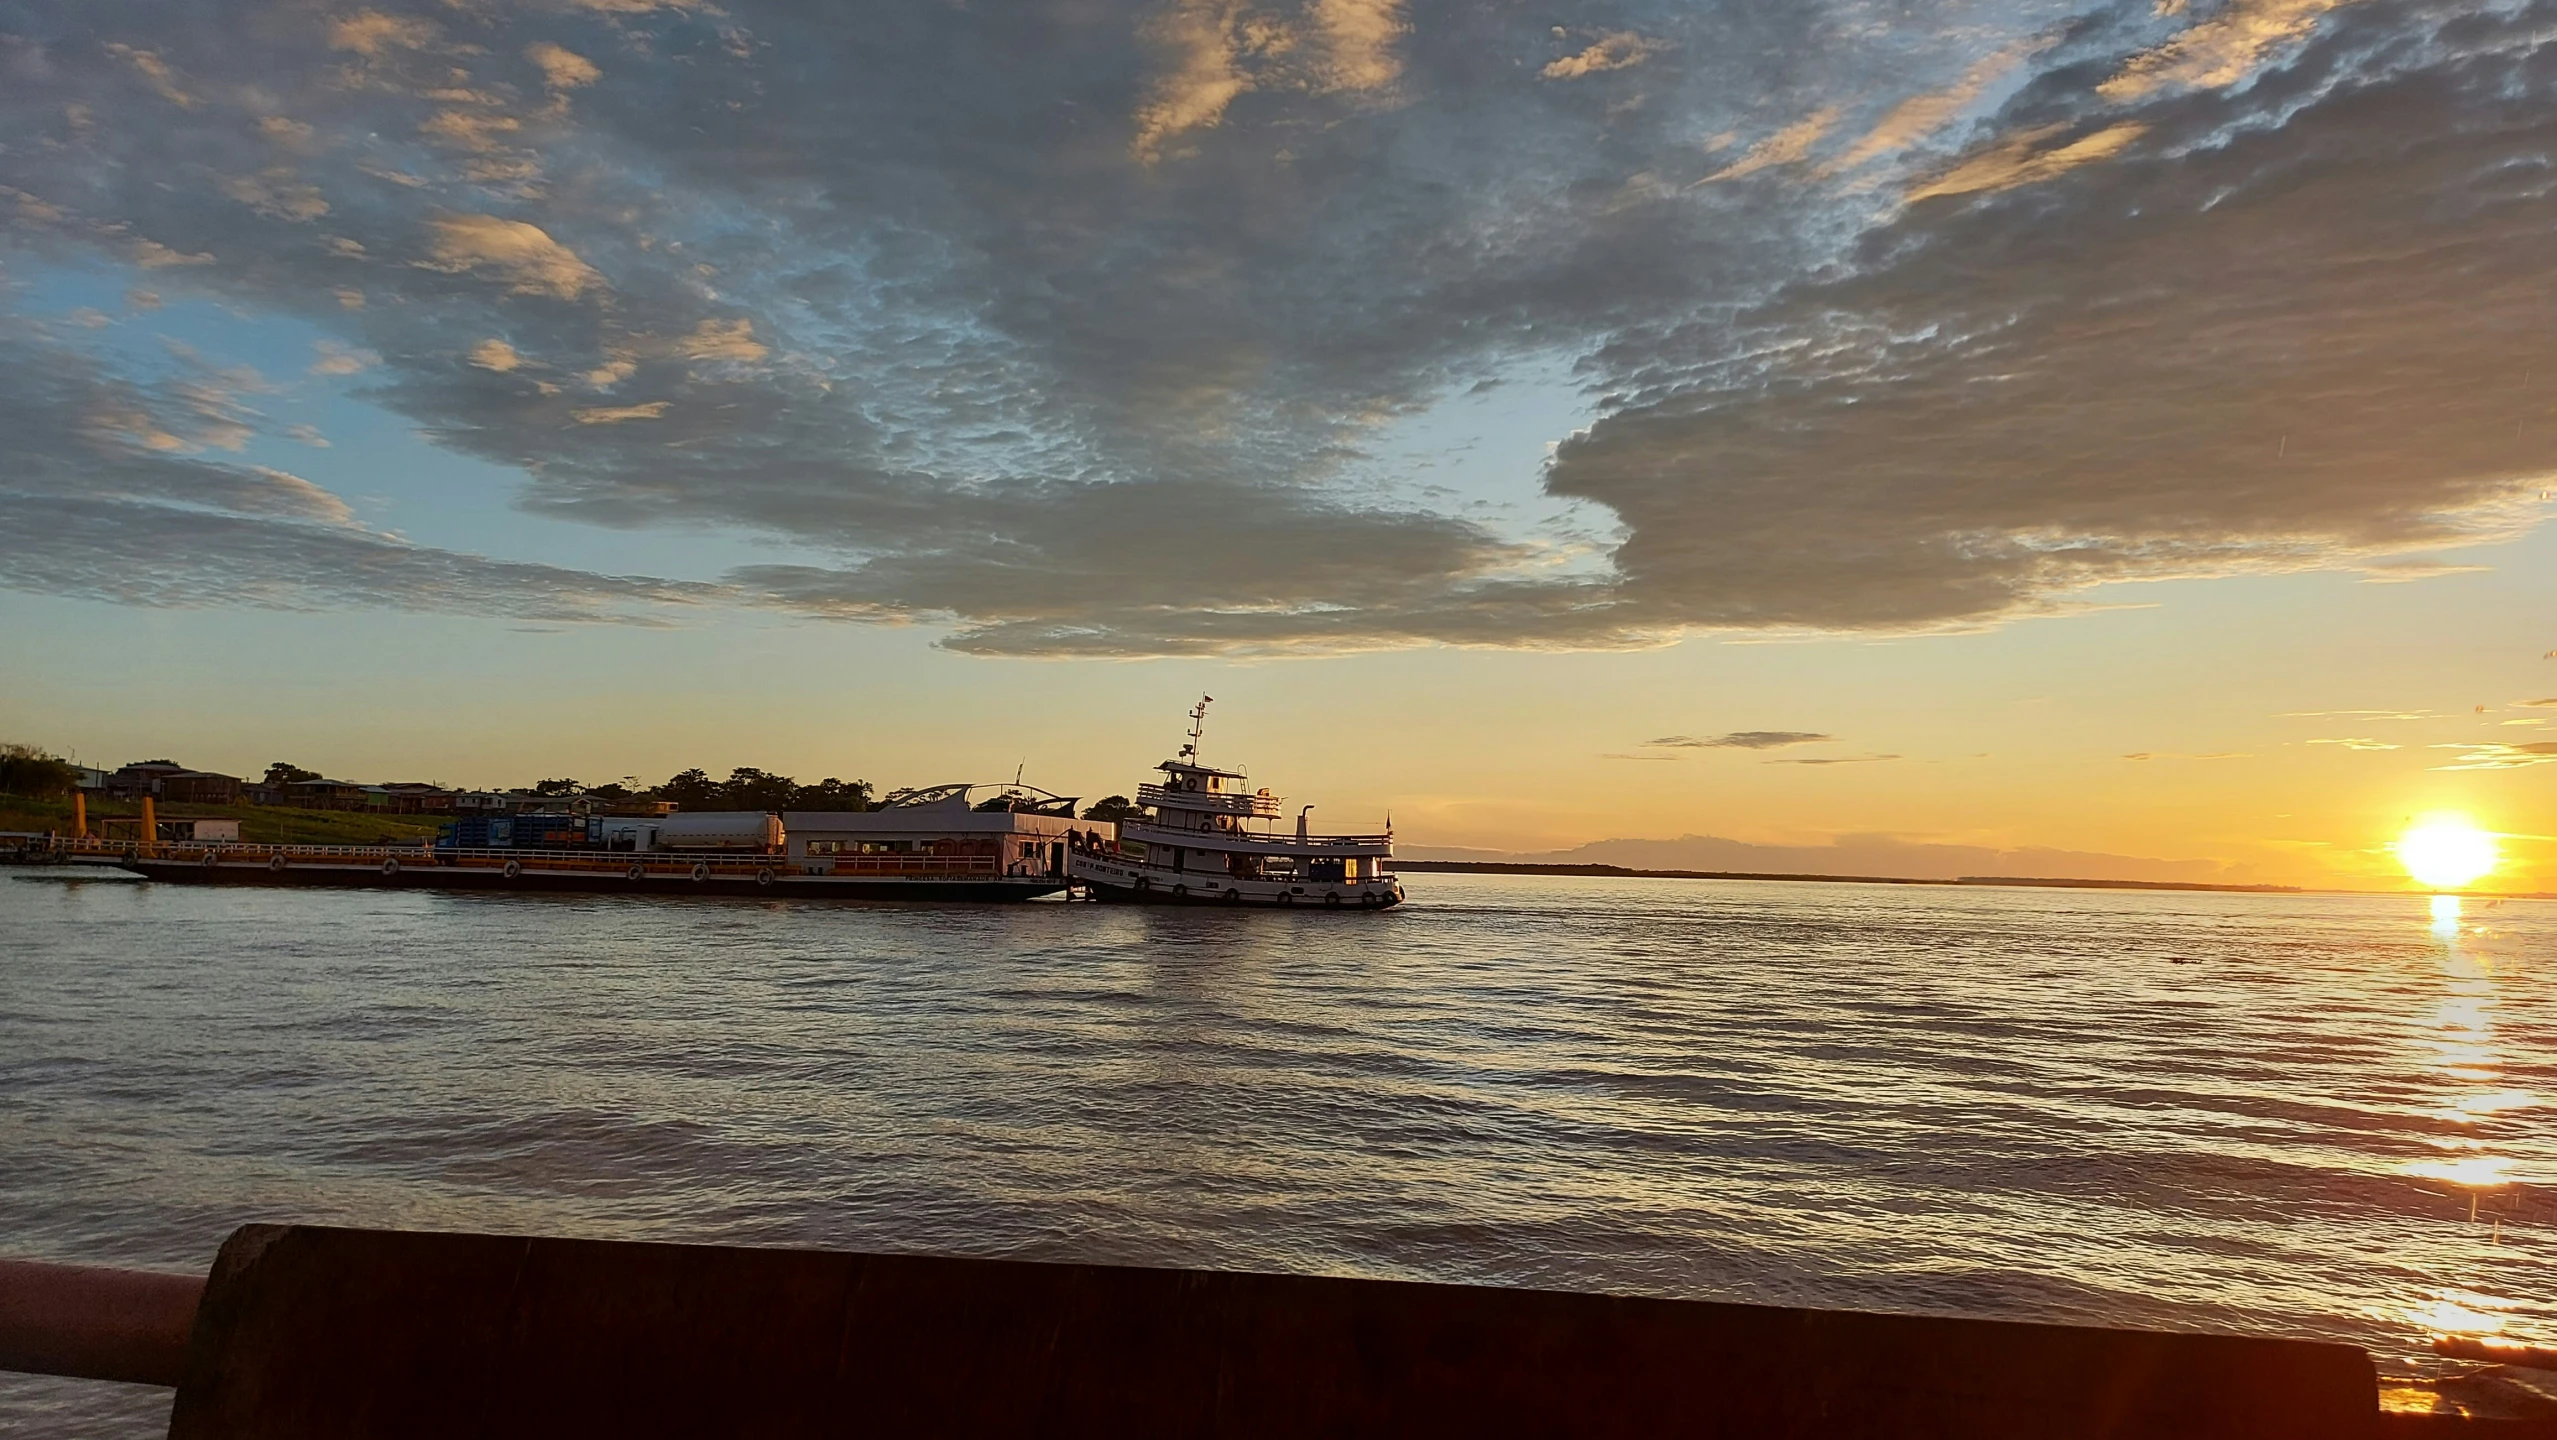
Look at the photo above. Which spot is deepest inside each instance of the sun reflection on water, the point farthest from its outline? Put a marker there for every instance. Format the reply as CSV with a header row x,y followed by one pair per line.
x,y
2467,1060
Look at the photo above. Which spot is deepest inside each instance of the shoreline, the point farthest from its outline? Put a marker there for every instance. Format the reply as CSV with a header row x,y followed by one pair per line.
x,y
1628,872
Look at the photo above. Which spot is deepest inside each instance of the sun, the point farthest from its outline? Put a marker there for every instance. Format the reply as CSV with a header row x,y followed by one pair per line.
x,y
2446,852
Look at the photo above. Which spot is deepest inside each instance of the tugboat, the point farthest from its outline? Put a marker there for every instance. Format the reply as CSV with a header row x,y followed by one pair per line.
x,y
1205,839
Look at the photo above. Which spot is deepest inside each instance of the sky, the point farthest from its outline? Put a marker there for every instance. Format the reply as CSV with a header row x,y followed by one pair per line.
x,y
2018,438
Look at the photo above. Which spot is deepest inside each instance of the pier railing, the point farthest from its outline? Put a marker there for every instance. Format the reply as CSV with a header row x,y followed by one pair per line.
x,y
300,1333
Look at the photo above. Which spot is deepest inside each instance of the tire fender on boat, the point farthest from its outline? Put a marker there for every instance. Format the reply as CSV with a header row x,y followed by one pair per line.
x,y
701,870
1234,896
1286,898
1332,898
1144,882
514,868
1180,892
390,868
210,857
275,862
638,871
764,876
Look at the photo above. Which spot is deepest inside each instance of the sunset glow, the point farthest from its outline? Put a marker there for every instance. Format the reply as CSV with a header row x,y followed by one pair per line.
x,y
2447,852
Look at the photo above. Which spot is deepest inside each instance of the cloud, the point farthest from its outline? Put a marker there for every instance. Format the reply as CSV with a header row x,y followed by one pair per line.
x,y
561,67
1743,740
278,195
2552,700
372,33
103,513
337,358
616,414
2024,160
1920,116
724,340
2179,755
990,339
2502,757
1616,50
1829,760
1360,36
152,255
157,71
2357,743
1203,42
523,254
2222,50
1786,147
2022,390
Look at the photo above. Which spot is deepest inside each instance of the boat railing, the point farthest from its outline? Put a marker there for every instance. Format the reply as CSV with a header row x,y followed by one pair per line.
x,y
1210,801
1207,839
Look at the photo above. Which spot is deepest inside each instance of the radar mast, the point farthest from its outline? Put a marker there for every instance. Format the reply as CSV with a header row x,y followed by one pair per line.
x,y
1198,727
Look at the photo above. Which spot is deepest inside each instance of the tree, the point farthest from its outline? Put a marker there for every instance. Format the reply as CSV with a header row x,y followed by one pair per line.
x,y
832,794
691,790
610,791
553,789
748,788
1113,808
281,773
26,770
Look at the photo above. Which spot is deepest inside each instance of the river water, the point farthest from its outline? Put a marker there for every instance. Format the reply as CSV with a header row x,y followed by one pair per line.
x,y
2261,1114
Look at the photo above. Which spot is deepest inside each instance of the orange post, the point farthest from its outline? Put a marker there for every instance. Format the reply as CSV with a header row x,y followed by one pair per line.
x,y
150,826
79,815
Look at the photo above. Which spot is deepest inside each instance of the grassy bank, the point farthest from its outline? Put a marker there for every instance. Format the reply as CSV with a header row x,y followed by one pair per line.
x,y
260,824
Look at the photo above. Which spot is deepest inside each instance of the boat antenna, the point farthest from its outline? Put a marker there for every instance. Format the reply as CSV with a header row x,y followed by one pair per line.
x,y
1198,726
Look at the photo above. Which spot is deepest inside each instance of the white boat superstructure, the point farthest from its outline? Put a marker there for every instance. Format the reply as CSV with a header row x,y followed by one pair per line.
x,y
1206,837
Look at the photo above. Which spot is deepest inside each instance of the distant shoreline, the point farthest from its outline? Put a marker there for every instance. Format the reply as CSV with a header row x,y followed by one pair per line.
x,y
1627,872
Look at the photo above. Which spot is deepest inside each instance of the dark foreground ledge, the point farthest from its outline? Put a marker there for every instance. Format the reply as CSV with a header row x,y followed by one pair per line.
x,y
354,1334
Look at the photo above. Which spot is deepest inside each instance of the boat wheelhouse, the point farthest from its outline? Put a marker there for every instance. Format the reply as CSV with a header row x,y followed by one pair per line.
x,y
1207,837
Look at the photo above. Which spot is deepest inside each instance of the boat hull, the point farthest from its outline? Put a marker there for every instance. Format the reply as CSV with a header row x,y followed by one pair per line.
x,y
783,883
1118,882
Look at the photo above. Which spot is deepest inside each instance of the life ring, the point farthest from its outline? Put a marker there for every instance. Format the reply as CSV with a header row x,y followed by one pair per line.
x,y
638,871
764,876
701,870
514,868
210,857
1332,898
275,863
390,868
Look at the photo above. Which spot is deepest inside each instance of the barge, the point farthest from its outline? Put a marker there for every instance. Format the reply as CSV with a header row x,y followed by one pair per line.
x,y
937,843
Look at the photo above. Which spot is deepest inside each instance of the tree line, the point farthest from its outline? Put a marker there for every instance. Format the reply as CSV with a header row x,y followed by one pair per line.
x,y
26,770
